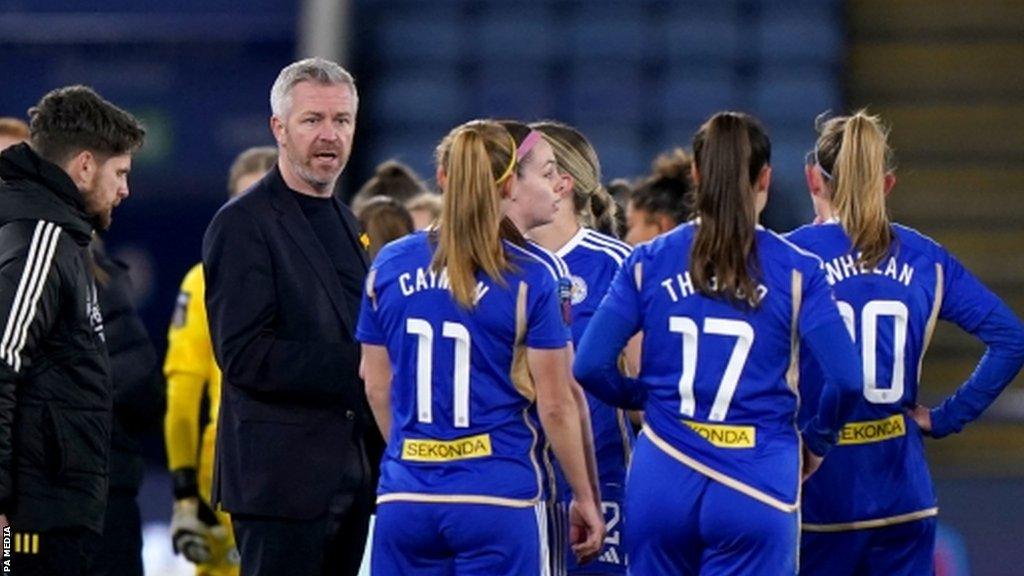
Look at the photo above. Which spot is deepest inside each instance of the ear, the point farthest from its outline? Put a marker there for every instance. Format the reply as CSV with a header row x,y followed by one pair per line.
x,y
814,183
566,184
507,185
278,129
764,179
890,181
441,178
82,168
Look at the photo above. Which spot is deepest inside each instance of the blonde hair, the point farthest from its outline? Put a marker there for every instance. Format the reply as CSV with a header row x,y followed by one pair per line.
x,y
384,219
255,160
427,202
472,157
854,155
14,128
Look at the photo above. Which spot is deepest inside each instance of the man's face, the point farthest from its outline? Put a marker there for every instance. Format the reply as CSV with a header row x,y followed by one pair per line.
x,y
106,188
316,136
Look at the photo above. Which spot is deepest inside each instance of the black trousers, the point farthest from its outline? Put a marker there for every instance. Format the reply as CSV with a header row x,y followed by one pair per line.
x,y
57,552
120,550
329,545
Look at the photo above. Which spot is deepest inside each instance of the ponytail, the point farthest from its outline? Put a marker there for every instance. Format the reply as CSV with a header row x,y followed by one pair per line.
x,y
730,150
603,212
860,159
475,156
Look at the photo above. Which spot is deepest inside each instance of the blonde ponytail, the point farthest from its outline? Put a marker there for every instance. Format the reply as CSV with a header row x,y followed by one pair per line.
x,y
858,185
474,156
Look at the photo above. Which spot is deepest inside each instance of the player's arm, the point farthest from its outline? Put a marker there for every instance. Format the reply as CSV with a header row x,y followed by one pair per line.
x,y
187,366
822,330
29,302
596,367
242,308
559,415
980,312
375,369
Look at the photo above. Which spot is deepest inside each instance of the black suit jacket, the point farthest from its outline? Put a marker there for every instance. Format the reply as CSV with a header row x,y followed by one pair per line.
x,y
293,410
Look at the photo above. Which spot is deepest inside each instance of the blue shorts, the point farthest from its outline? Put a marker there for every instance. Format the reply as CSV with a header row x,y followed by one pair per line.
x,y
906,549
429,539
682,522
611,560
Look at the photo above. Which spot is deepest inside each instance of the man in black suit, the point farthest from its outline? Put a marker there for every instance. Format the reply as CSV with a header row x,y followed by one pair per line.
x,y
284,268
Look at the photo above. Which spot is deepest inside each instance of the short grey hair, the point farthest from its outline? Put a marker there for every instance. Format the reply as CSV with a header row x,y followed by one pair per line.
x,y
318,70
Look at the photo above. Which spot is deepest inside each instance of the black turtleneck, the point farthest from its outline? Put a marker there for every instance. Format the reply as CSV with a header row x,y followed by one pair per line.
x,y
328,226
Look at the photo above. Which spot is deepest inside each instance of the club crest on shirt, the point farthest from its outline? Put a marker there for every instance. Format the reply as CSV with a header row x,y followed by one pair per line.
x,y
579,290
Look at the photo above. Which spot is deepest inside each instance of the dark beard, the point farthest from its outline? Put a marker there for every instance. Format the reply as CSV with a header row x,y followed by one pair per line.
x,y
103,220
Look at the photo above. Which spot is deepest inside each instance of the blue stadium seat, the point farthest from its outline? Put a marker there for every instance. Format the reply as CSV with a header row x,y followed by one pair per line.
x,y
610,33
502,35
414,147
619,147
691,95
791,99
406,96
525,95
789,205
416,38
602,93
707,34
807,36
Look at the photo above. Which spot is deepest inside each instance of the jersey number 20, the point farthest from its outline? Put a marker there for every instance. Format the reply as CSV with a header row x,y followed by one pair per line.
x,y
869,316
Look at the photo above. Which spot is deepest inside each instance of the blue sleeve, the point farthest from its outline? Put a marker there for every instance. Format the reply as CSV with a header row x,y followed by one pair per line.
x,y
548,314
823,332
966,301
617,319
368,330
1003,332
818,306
833,350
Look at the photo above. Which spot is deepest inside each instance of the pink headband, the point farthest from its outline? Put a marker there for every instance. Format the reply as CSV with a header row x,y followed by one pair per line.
x,y
528,143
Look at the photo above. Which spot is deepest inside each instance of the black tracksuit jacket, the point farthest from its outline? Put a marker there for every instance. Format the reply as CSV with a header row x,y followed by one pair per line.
x,y
55,391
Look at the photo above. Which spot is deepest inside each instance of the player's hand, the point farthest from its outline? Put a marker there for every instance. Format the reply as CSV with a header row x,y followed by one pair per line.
x,y
3,521
189,533
923,416
811,463
586,530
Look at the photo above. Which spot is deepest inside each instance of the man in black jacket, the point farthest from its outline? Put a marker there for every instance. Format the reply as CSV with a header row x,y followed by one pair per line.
x,y
55,394
284,272
138,386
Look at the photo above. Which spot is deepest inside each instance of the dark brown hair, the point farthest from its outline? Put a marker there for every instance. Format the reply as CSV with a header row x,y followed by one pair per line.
x,y
668,190
392,178
730,150
75,118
